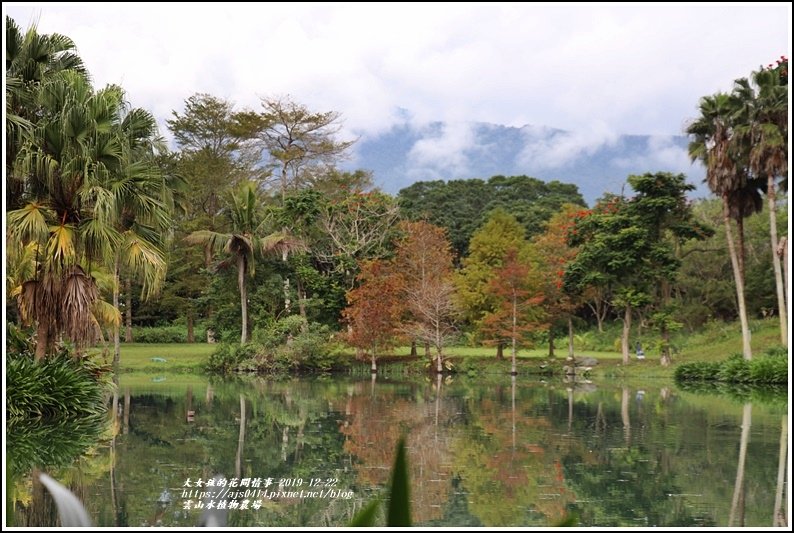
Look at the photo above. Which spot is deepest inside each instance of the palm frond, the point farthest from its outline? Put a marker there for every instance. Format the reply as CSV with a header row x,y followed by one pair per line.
x,y
61,245
100,239
105,314
78,296
29,224
145,259
216,241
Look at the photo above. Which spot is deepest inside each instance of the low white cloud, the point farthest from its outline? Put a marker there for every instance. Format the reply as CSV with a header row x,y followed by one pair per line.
x,y
662,154
548,149
445,152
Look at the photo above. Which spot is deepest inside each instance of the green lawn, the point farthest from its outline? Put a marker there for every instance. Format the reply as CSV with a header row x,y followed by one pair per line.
x,y
136,357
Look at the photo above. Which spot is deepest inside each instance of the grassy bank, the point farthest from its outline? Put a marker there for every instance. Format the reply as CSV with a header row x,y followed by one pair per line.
x,y
713,343
154,358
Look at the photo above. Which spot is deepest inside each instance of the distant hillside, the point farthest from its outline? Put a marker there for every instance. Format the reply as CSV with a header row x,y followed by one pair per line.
x,y
595,162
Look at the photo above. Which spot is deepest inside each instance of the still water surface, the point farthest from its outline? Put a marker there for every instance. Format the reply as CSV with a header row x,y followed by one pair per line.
x,y
482,452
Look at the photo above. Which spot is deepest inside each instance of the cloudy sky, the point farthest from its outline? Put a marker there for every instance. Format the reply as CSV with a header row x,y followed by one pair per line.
x,y
598,71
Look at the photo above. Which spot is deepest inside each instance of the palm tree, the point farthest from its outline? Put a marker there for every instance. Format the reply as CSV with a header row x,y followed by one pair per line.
x,y
245,240
763,136
31,59
144,200
712,136
71,169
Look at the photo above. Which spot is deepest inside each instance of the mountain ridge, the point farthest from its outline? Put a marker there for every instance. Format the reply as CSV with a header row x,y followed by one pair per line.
x,y
597,161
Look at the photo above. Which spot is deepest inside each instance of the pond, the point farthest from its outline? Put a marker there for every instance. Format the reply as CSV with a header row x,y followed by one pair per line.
x,y
486,451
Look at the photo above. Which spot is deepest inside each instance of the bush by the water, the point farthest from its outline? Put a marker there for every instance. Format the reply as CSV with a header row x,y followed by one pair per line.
x,y
60,386
282,346
55,388
769,368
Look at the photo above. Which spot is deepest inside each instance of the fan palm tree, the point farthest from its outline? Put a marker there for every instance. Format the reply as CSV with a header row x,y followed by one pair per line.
x,y
31,59
763,136
245,241
144,201
712,135
73,169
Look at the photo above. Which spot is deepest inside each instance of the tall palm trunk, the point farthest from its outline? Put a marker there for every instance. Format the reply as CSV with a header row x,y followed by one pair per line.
x,y
738,279
243,298
238,461
128,309
738,488
781,300
570,337
742,248
624,415
116,327
782,253
779,517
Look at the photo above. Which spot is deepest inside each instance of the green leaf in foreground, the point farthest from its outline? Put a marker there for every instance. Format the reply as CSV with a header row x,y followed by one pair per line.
x,y
366,516
399,513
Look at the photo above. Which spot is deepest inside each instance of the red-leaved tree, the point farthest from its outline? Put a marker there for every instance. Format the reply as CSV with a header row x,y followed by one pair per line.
x,y
374,308
519,296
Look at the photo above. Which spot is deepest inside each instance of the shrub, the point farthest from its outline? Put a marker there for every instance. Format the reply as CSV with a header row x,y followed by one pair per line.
x,y
735,370
769,369
697,371
282,346
228,357
58,387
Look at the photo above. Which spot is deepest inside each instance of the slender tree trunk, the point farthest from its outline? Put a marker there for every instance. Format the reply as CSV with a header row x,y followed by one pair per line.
x,y
738,487
243,298
413,348
301,302
238,463
624,339
515,335
779,517
128,309
570,337
782,253
513,408
125,428
570,409
599,309
551,341
738,279
742,247
664,358
427,350
287,301
438,399
624,415
500,350
374,368
116,327
781,299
